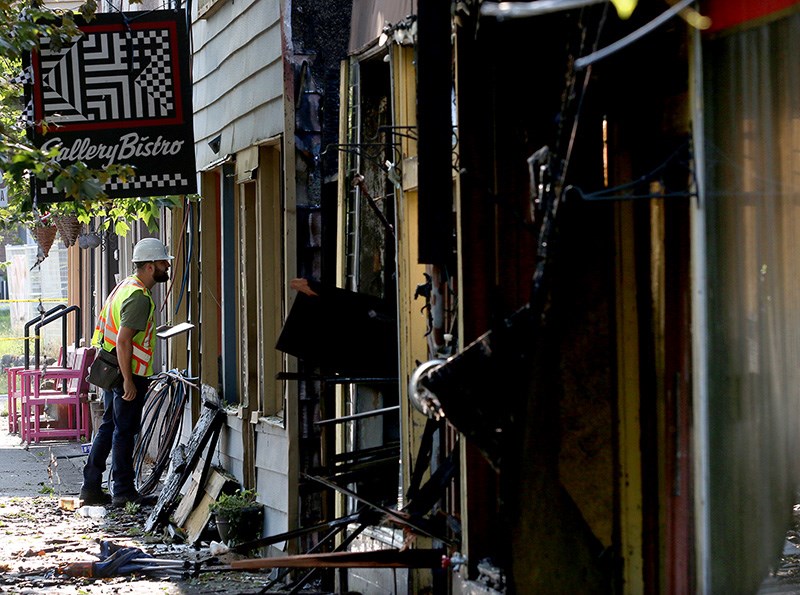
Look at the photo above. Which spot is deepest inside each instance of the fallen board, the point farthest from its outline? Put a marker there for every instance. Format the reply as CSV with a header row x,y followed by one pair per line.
x,y
195,492
184,509
198,517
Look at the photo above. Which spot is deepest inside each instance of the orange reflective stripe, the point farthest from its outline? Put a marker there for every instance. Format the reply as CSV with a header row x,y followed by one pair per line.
x,y
141,354
107,330
110,335
148,337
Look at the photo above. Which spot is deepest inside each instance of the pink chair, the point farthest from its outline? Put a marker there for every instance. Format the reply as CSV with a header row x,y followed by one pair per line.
x,y
34,398
13,397
15,387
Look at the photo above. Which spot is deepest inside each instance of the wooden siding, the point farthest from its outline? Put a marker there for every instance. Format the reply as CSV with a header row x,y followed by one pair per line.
x,y
271,452
238,77
272,480
271,461
230,447
272,489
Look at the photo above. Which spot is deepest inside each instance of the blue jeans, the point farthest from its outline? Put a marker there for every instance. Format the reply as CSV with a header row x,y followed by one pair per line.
x,y
116,436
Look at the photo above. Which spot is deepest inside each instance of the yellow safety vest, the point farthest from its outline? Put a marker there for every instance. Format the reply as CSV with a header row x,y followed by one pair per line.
x,y
105,333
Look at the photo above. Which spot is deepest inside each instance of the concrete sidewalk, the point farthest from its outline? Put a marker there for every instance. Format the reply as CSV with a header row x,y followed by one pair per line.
x,y
29,471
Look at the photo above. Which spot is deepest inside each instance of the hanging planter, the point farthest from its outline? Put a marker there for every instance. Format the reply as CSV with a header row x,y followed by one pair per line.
x,y
89,240
68,227
44,233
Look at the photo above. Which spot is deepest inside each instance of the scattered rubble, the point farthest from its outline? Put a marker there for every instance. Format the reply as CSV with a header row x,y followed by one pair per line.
x,y
42,542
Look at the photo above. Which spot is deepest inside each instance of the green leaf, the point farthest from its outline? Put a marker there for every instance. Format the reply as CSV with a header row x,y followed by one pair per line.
x,y
121,228
92,189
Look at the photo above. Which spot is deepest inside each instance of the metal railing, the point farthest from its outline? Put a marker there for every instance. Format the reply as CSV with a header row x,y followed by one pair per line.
x,y
55,313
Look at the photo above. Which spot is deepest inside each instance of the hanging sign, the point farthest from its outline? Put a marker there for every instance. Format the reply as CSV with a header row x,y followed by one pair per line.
x,y
119,94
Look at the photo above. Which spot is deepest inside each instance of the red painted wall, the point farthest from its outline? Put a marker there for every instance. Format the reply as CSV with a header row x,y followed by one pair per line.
x,y
729,13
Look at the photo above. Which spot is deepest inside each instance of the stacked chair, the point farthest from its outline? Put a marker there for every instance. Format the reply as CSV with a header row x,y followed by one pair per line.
x,y
71,389
65,359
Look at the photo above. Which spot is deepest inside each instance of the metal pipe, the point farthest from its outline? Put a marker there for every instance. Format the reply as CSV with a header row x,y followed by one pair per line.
x,y
700,356
373,413
359,380
418,524
163,562
29,324
47,320
288,535
585,61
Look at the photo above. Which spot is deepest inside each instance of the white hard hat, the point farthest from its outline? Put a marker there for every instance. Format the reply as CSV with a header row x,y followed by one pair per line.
x,y
150,249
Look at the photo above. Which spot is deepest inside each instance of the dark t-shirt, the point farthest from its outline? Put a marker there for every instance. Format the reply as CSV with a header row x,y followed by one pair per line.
x,y
135,311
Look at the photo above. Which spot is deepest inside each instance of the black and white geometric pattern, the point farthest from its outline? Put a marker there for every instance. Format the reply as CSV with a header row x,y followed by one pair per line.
x,y
156,74
155,185
108,75
61,82
26,116
23,78
121,93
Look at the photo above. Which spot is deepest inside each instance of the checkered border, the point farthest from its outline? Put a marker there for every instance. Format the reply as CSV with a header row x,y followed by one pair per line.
x,y
164,183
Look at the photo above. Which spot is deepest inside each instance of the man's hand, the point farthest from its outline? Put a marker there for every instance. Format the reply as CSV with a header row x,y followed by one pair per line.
x,y
124,354
130,389
302,286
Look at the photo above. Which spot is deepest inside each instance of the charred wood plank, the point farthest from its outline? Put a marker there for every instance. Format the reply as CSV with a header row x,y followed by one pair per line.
x,y
415,558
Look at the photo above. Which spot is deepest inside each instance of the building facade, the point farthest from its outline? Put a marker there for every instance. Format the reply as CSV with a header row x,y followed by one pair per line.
x,y
590,252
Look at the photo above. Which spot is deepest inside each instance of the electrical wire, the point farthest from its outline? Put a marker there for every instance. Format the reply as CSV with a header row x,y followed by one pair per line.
x,y
163,418
576,119
682,156
597,55
189,253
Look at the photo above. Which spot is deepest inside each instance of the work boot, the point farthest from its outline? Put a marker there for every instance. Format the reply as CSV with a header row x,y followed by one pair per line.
x,y
94,497
134,497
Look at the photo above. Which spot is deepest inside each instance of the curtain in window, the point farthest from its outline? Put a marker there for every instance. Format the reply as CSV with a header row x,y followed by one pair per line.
x,y
753,212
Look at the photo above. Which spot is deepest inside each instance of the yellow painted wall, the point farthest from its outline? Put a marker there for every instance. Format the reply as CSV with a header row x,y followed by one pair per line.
x,y
412,323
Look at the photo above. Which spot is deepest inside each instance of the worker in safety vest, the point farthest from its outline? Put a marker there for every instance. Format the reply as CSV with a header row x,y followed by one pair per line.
x,y
126,325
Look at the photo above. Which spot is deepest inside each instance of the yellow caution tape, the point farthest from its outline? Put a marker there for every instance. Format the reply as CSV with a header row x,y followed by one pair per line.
x,y
36,301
